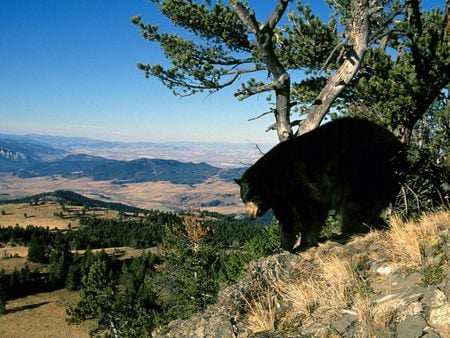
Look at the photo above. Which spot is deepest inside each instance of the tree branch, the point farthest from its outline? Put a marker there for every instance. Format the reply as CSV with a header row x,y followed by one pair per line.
x,y
193,88
246,92
337,82
261,115
243,71
331,54
375,35
266,52
246,17
276,15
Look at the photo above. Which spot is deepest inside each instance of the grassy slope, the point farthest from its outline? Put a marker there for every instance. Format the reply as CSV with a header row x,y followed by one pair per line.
x,y
42,315
378,285
331,280
327,277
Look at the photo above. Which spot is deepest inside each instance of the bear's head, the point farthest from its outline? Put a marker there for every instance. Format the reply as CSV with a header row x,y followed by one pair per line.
x,y
255,205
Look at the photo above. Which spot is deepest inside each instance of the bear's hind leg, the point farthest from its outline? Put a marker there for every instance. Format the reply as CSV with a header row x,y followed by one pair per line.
x,y
312,221
356,219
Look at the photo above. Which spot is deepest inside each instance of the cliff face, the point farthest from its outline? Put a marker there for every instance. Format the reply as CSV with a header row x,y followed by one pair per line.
x,y
12,155
387,283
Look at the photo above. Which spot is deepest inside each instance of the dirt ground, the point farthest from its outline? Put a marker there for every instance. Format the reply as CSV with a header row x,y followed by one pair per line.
x,y
42,315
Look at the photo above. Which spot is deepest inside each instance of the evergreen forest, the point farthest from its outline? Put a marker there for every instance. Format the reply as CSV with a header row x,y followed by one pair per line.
x,y
189,256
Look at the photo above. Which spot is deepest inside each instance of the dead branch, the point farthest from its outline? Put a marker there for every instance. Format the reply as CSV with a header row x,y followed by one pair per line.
x,y
276,15
261,115
376,35
247,92
331,54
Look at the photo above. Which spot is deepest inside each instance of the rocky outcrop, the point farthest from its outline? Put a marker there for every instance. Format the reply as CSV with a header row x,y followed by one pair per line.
x,y
392,283
12,155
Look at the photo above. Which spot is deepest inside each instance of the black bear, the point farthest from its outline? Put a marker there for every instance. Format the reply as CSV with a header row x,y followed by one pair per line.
x,y
350,165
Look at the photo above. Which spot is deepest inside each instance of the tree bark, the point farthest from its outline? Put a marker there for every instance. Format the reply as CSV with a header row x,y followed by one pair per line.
x,y
359,36
280,78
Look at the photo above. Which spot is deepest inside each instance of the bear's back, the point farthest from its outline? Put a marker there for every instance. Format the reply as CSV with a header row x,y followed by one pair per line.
x,y
347,137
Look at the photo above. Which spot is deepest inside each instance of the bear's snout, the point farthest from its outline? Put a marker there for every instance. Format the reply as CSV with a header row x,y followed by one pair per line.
x,y
252,210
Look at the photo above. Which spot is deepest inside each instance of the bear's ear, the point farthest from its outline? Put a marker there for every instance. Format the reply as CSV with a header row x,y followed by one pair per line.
x,y
238,181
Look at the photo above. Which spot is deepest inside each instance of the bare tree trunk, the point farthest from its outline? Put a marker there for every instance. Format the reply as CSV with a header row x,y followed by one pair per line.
x,y
359,36
281,82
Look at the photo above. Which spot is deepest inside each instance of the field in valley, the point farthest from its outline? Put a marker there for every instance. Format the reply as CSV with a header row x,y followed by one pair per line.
x,y
147,195
44,314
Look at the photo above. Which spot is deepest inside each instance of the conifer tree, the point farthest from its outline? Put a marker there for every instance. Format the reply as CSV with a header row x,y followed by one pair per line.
x,y
96,296
3,287
228,43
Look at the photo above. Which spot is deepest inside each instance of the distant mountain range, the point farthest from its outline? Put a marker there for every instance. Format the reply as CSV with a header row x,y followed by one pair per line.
x,y
15,154
29,156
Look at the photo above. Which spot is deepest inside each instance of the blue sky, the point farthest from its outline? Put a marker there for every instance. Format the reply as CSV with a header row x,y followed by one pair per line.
x,y
68,67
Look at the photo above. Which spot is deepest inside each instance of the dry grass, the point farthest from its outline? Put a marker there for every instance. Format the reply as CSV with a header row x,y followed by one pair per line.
x,y
18,261
261,315
372,324
42,215
409,243
331,288
42,315
334,283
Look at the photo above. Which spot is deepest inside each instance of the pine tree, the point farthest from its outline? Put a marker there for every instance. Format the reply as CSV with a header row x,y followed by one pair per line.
x,y
227,44
3,287
60,261
96,296
37,249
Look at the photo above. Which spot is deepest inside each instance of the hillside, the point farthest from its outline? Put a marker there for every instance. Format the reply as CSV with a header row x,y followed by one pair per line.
x,y
384,284
16,154
45,148
72,198
387,283
121,172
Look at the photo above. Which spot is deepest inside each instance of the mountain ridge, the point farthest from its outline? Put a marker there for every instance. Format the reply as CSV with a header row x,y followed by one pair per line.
x,y
30,156
121,172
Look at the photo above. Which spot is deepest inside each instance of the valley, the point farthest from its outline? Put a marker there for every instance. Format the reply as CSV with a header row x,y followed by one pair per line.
x,y
213,194
163,176
156,177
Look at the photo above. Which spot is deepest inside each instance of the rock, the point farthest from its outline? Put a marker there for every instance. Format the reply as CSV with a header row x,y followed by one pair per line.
x,y
342,324
440,317
208,325
409,310
412,326
316,330
434,297
431,335
384,270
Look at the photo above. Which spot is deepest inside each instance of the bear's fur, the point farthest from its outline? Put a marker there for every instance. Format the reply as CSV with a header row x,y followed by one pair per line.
x,y
350,165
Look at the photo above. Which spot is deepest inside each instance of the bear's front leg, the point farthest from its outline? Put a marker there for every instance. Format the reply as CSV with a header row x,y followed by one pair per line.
x,y
300,226
290,230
